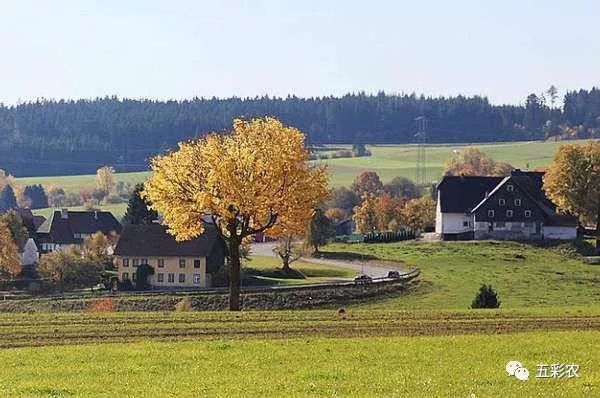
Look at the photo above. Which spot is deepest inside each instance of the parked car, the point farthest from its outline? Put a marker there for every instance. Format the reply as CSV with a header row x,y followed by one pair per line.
x,y
363,279
394,274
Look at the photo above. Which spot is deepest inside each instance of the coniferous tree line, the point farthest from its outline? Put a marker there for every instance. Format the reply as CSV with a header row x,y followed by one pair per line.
x,y
72,137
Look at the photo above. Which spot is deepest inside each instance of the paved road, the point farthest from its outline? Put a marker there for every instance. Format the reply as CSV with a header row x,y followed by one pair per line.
x,y
266,249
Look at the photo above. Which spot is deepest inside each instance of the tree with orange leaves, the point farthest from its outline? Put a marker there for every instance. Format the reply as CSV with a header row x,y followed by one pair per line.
x,y
10,261
256,179
473,162
573,182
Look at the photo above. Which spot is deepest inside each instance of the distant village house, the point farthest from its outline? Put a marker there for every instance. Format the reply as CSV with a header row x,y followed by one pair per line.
x,y
507,208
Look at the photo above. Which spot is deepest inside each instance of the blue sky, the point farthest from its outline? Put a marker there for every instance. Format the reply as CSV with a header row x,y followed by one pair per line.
x,y
181,49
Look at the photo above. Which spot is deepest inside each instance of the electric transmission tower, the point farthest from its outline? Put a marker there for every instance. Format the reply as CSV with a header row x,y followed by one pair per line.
x,y
421,138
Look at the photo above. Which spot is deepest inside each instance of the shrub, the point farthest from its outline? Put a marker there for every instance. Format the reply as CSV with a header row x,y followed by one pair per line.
x,y
184,305
113,198
107,304
486,298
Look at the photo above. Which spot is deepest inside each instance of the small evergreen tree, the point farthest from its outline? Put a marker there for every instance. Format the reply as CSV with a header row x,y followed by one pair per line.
x,y
8,200
486,298
320,229
138,210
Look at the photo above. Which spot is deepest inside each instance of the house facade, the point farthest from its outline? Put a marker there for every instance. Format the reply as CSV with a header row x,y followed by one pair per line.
x,y
65,228
176,264
457,196
511,208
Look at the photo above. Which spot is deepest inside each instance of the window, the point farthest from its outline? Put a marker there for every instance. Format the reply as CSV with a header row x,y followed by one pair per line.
x,y
125,262
136,262
125,276
171,278
509,213
196,279
197,263
161,263
527,213
501,202
490,213
510,188
465,223
133,276
517,202
182,263
160,277
144,261
181,278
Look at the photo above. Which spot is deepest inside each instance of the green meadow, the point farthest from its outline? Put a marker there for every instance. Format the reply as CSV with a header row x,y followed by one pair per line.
x,y
452,272
388,161
424,341
439,366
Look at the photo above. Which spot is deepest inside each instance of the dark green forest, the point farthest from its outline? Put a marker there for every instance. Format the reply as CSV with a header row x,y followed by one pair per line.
x,y
49,137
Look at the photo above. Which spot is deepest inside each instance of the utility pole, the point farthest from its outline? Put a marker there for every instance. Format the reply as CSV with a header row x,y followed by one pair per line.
x,y
421,138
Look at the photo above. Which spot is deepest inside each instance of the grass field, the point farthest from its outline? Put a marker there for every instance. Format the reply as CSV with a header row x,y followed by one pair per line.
x,y
299,353
453,271
388,161
268,270
426,343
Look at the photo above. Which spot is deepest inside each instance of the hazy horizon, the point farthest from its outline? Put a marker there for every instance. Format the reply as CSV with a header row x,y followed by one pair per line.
x,y
185,49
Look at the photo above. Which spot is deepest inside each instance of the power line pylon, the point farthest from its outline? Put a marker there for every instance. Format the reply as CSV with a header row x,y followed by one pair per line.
x,y
421,138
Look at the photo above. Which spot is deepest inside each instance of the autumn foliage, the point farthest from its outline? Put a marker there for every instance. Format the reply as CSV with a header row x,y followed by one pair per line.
x,y
10,261
257,178
389,213
473,162
572,181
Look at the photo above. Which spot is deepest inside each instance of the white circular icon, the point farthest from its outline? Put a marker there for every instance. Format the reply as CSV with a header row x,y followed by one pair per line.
x,y
522,374
512,366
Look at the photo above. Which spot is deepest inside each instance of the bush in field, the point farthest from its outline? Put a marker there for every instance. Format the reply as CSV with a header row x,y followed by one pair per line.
x,y
107,304
69,269
486,298
184,305
141,276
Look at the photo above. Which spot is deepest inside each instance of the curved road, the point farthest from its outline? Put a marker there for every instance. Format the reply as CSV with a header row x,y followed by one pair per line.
x,y
375,271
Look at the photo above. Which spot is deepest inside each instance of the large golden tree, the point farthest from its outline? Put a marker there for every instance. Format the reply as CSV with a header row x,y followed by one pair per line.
x,y
255,179
572,181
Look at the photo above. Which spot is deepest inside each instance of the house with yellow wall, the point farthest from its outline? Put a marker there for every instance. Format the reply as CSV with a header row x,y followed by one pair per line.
x,y
188,264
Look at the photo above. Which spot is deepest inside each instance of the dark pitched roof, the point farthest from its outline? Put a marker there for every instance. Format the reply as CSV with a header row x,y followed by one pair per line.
x,y
37,221
460,194
154,240
60,229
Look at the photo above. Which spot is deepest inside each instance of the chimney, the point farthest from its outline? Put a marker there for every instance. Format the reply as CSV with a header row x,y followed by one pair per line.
x,y
64,213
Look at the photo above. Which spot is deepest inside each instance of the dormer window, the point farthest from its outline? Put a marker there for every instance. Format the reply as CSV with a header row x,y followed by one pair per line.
x,y
491,213
517,202
501,202
509,213
510,187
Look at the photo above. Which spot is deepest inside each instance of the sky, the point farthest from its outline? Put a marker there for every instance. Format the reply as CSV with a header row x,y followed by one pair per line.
x,y
179,49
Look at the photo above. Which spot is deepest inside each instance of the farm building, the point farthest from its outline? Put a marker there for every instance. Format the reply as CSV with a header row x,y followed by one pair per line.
x,y
176,264
65,228
511,208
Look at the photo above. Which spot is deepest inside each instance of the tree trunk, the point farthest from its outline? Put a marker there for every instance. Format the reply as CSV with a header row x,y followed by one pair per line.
x,y
285,263
598,232
234,276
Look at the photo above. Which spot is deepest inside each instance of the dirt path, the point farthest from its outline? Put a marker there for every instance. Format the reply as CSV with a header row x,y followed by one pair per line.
x,y
361,267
